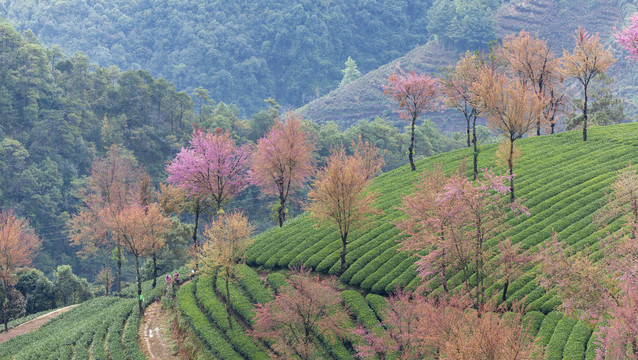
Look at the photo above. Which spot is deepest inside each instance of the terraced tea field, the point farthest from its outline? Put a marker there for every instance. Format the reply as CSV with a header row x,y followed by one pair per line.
x,y
562,179
101,328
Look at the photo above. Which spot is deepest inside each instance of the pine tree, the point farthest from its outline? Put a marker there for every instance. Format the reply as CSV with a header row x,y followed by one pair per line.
x,y
350,73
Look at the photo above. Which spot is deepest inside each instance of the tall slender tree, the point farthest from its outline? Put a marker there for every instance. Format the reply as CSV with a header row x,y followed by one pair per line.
x,y
228,239
211,170
450,219
140,229
456,86
18,246
588,59
534,63
283,160
512,109
416,93
339,197
109,189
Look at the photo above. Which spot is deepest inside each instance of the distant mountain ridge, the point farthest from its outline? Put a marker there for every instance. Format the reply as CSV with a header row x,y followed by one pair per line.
x,y
553,20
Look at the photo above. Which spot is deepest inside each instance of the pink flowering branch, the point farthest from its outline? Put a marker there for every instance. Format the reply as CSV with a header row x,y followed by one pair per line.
x,y
628,38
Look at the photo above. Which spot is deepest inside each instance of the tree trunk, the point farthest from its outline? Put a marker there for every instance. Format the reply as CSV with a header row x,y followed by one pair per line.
x,y
507,284
585,115
474,141
108,277
443,279
281,211
411,149
480,296
139,285
510,164
230,322
119,269
4,305
344,241
197,211
468,130
552,125
154,269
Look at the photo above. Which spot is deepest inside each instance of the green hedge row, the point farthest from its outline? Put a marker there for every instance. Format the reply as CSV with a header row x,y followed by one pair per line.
x,y
559,338
577,343
216,310
188,308
251,283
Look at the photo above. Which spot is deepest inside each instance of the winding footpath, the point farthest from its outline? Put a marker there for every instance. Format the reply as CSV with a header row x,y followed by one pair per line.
x,y
33,324
155,329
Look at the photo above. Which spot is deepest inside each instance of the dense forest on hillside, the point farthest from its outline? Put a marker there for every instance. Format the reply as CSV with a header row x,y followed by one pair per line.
x,y
247,51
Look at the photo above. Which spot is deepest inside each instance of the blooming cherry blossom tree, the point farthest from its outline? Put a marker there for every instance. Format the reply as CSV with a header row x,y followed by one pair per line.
x,y
283,160
415,93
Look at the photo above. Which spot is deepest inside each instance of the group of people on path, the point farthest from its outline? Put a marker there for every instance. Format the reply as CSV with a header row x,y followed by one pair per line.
x,y
174,281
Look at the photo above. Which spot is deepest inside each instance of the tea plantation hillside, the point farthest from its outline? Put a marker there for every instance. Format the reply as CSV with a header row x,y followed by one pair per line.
x,y
101,328
562,179
204,321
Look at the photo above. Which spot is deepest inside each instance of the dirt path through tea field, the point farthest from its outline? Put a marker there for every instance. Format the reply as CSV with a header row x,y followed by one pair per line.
x,y
33,324
154,337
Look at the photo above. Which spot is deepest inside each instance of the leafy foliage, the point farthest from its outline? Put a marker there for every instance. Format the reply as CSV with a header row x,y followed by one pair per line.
x,y
339,196
588,60
283,161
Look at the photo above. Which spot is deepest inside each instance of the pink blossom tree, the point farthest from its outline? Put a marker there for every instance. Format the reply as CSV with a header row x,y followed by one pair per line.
x,y
306,309
283,160
602,289
415,93
450,219
420,327
628,38
212,169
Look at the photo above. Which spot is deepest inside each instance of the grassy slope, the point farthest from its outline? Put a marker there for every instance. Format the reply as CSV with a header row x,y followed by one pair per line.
x,y
553,20
101,328
562,179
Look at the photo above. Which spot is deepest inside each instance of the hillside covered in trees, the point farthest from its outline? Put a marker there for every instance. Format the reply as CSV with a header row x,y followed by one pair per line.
x,y
60,113
241,51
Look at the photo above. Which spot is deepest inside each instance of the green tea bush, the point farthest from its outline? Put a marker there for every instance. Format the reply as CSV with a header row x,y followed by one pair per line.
x,y
546,330
577,342
559,338
276,280
188,308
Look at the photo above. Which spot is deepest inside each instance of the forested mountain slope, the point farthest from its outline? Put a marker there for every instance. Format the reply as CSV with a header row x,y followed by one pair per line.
x,y
246,51
58,114
241,51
